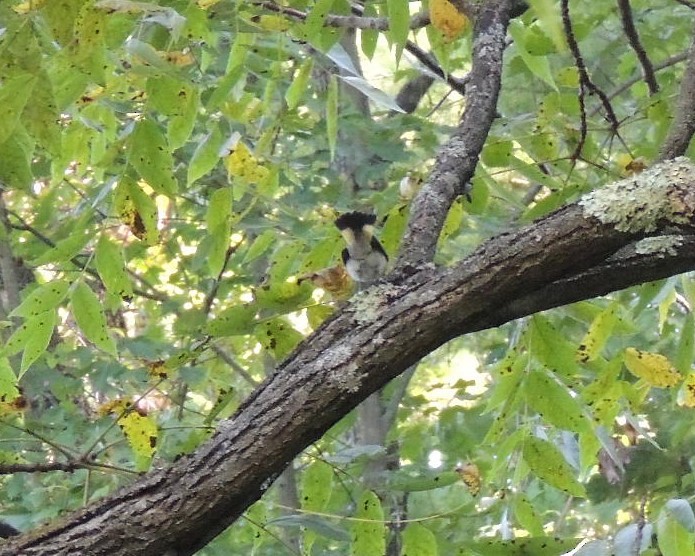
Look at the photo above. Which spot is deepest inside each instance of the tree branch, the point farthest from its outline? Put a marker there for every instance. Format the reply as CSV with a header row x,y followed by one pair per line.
x,y
458,158
683,125
417,21
633,38
374,338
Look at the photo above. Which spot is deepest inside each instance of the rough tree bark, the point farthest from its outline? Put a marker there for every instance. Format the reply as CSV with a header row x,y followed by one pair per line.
x,y
637,230
373,339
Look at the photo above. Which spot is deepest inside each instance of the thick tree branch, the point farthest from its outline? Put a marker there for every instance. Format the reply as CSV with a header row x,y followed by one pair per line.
x,y
458,158
373,339
683,126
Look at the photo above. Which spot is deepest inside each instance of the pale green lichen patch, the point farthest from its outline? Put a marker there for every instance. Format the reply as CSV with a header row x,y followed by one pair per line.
x,y
368,304
659,245
638,203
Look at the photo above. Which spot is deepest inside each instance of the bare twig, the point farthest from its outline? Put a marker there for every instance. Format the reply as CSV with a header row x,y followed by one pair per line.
x,y
690,5
585,83
430,62
667,63
417,21
633,38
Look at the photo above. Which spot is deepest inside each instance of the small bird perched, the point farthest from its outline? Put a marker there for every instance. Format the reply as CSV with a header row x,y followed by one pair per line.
x,y
364,257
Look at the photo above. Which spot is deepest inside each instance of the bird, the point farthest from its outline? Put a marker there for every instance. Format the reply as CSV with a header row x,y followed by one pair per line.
x,y
364,257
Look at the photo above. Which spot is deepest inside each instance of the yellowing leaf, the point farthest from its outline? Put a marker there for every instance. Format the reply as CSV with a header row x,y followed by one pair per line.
x,y
686,395
272,23
141,432
178,58
447,19
241,163
654,368
30,5
470,475
136,210
598,334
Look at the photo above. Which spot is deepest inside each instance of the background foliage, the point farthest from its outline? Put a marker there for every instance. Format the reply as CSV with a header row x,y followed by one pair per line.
x,y
171,172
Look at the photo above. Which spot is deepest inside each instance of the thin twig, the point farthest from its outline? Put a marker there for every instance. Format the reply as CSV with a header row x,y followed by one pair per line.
x,y
418,21
633,38
585,84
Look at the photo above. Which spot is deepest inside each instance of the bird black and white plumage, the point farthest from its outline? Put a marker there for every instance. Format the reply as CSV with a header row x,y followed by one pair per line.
x,y
364,257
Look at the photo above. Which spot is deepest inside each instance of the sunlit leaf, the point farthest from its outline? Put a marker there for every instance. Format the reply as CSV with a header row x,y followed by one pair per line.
x,y
43,298
654,368
151,157
142,433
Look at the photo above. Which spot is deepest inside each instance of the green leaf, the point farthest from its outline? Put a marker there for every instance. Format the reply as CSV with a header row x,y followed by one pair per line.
x,y
110,264
151,157
549,21
206,155
554,403
15,162
68,248
686,345
43,298
260,245
89,314
8,381
14,95
332,114
368,536
313,24
551,347
399,24
278,336
370,37
298,86
39,330
539,65
419,540
549,465
674,529
88,43
181,124
41,116
527,516
283,296
680,511
234,321
219,223
317,481
598,334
